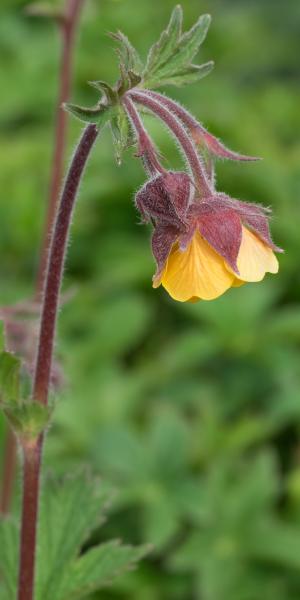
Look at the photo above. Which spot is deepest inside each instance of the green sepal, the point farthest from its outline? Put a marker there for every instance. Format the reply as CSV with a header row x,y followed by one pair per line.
x,y
110,94
10,367
134,78
127,81
98,115
121,133
28,419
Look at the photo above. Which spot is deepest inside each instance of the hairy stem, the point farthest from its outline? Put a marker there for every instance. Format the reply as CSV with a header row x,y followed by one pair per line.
x,y
56,263
68,31
146,148
33,452
175,125
31,479
199,134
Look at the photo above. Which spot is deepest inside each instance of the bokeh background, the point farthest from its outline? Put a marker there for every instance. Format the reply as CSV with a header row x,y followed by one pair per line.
x,y
191,412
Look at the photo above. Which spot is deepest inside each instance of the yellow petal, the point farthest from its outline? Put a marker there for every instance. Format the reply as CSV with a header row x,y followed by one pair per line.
x,y
255,258
196,273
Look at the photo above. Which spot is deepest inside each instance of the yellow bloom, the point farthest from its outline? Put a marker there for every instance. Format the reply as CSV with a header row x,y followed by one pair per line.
x,y
200,273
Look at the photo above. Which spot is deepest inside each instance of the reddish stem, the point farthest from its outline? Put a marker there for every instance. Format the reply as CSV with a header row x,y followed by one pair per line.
x,y
146,149
68,30
33,452
199,134
31,480
176,127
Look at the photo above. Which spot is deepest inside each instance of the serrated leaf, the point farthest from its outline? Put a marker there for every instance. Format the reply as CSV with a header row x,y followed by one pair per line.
x,y
69,511
68,514
162,50
9,544
189,45
170,58
99,567
10,367
98,116
191,74
130,55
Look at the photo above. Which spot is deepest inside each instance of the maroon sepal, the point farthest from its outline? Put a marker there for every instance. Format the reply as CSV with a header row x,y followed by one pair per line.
x,y
163,238
257,218
165,198
221,227
217,148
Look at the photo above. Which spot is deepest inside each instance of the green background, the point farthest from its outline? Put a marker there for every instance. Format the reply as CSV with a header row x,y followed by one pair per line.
x,y
191,412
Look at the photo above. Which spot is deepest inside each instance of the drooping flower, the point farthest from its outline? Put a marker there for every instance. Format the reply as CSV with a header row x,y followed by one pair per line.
x,y
203,247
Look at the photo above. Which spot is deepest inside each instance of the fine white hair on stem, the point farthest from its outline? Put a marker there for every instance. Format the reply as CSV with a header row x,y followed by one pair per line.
x,y
185,142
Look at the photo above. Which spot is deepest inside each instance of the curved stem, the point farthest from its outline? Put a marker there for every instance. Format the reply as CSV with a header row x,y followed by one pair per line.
x,y
180,133
146,148
56,263
33,451
68,30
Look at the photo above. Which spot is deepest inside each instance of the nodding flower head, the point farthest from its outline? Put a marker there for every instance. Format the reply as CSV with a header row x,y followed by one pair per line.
x,y
203,247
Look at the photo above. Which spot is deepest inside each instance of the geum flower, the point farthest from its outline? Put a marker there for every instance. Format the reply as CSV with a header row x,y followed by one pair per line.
x,y
203,247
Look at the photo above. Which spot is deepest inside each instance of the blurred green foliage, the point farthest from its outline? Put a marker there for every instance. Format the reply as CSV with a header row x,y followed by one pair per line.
x,y
191,412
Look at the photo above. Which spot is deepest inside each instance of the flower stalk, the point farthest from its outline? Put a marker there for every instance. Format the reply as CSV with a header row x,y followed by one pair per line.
x,y
199,134
68,27
146,149
203,241
176,127
32,454
32,451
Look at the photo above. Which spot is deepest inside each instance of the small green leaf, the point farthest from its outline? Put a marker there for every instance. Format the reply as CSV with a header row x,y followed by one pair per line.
x,y
99,567
98,115
130,56
121,132
170,59
10,367
161,51
28,419
191,74
189,45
